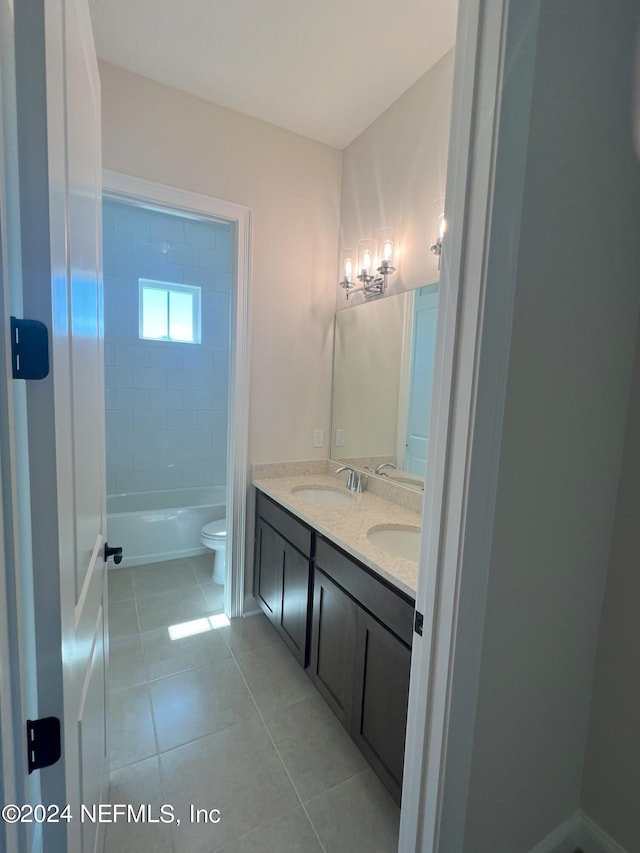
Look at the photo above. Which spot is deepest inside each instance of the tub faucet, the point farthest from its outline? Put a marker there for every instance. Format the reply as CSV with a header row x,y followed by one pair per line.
x,y
385,465
355,480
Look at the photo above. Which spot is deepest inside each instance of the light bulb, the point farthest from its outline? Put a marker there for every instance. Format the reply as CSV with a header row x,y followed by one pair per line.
x,y
348,269
366,261
443,227
387,252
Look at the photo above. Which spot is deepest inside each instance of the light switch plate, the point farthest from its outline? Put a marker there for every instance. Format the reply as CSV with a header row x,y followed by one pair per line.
x,y
318,438
339,438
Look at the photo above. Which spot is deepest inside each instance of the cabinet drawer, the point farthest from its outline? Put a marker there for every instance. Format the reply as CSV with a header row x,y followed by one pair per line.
x,y
287,526
391,607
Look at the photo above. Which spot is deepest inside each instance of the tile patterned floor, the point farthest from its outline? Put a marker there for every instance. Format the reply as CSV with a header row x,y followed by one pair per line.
x,y
226,720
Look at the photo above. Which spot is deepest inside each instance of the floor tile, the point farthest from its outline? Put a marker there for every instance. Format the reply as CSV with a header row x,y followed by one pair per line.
x,y
139,784
291,833
138,838
202,565
126,662
248,633
123,618
197,688
274,677
131,726
357,816
199,702
170,608
164,656
315,749
236,771
119,584
214,596
161,577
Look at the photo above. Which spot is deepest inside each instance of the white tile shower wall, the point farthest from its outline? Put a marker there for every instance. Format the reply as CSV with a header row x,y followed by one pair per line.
x,y
166,402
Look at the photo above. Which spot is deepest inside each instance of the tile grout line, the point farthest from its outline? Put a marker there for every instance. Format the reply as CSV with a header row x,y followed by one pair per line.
x,y
233,656
163,789
284,766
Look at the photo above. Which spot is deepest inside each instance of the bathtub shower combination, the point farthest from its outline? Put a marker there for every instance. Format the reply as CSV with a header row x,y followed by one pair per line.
x,y
155,526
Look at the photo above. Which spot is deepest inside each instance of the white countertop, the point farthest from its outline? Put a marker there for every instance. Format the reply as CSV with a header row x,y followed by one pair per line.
x,y
347,524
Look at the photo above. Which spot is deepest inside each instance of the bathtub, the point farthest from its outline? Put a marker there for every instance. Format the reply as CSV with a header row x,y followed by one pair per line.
x,y
154,526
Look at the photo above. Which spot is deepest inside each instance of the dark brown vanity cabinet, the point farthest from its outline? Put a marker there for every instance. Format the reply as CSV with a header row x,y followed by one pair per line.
x,y
353,628
333,645
283,574
361,657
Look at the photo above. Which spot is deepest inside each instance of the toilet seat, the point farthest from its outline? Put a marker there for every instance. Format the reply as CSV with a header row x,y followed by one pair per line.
x,y
215,530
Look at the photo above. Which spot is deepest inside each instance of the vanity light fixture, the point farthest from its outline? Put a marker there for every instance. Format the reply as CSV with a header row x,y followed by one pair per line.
x,y
371,270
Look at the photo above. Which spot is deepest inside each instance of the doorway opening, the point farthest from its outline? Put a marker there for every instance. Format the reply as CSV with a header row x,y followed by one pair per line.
x,y
176,381
167,343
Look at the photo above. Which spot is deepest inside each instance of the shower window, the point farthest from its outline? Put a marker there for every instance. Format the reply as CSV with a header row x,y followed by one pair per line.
x,y
169,312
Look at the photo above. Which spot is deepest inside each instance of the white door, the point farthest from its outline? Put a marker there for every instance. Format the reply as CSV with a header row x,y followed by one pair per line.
x,y
58,112
423,344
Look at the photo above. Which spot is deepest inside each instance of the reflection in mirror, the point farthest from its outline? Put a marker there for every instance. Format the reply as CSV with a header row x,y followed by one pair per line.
x,y
382,383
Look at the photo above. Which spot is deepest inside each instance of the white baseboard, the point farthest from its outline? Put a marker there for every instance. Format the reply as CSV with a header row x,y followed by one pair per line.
x,y
578,832
251,606
563,839
593,839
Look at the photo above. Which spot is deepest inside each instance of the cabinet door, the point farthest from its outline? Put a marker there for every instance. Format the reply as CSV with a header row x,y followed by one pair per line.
x,y
333,645
268,573
295,601
380,700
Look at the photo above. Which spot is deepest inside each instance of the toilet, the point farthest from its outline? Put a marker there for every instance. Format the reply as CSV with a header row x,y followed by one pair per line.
x,y
214,536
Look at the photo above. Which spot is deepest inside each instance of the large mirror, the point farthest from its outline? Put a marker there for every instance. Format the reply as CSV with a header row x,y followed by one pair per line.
x,y
382,384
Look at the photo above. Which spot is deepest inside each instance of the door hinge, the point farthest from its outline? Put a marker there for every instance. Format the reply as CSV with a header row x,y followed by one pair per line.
x,y
418,622
43,742
29,349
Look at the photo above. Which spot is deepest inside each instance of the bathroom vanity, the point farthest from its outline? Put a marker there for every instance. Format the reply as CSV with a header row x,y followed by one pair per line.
x,y
349,625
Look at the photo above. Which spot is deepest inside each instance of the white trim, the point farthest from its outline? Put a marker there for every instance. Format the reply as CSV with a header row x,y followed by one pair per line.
x,y
10,687
486,158
405,379
563,839
594,839
14,653
420,792
251,606
578,831
126,187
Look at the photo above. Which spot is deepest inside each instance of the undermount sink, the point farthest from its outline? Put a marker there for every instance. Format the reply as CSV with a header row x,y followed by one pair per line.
x,y
397,540
322,495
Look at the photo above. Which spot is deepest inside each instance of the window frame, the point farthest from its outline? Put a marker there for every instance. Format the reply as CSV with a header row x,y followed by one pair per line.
x,y
171,287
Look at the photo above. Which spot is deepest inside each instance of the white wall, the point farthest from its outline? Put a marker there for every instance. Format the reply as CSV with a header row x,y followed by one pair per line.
x,y
292,184
575,321
393,175
612,765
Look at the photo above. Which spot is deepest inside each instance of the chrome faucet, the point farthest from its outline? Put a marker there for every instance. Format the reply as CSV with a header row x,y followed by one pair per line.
x,y
355,480
385,465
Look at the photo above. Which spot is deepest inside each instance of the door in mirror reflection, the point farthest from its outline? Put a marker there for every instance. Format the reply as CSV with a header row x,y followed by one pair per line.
x,y
382,383
423,344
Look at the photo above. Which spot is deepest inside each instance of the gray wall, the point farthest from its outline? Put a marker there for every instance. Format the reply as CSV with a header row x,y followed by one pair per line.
x,y
574,329
612,765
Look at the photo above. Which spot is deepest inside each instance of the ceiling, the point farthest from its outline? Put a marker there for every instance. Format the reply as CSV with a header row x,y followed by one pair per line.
x,y
322,68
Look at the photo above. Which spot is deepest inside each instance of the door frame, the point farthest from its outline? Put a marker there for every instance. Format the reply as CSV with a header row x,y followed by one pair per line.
x,y
119,186
12,766
491,106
